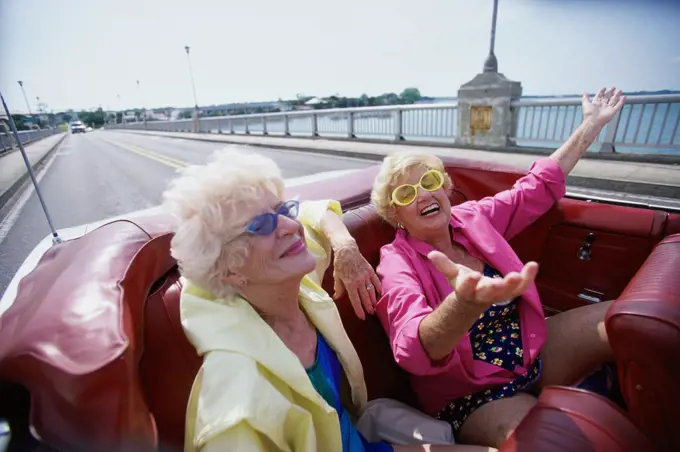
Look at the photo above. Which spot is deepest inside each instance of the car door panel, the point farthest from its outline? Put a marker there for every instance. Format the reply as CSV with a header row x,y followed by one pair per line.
x,y
622,237
575,273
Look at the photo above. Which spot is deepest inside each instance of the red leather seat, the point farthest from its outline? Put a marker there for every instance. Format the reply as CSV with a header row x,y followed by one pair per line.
x,y
169,363
643,326
73,338
570,419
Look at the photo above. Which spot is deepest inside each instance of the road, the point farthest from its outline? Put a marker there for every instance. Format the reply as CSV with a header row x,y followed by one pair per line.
x,y
102,174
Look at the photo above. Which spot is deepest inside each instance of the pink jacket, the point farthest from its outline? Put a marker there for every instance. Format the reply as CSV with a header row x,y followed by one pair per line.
x,y
413,287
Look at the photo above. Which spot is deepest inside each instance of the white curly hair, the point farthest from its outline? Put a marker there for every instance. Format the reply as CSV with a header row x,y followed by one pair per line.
x,y
208,201
393,167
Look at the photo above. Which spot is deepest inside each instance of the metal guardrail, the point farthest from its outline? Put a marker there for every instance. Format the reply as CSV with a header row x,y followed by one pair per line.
x,y
435,122
8,142
646,124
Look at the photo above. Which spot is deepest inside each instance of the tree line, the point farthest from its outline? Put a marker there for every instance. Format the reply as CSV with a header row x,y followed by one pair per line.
x,y
407,96
99,117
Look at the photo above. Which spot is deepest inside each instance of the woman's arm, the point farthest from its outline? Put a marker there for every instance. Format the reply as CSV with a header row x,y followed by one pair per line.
x,y
441,331
403,309
512,210
531,196
596,114
335,231
473,293
351,272
327,233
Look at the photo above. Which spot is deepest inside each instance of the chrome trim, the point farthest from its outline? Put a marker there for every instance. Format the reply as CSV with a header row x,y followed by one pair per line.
x,y
623,202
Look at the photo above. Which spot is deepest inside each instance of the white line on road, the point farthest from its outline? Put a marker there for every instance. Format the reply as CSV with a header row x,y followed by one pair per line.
x,y
13,215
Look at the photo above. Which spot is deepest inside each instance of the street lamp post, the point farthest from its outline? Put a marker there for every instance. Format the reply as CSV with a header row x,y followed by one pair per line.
x,y
142,102
491,63
41,109
21,84
193,87
120,109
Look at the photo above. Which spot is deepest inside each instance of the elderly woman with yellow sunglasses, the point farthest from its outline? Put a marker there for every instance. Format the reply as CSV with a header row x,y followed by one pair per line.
x,y
461,310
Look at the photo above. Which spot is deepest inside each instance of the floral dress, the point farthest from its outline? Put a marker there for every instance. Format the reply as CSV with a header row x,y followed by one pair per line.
x,y
496,338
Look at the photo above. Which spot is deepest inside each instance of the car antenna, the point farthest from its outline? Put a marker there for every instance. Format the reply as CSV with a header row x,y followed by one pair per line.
x,y
55,236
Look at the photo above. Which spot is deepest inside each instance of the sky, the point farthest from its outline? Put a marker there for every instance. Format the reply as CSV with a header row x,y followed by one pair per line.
x,y
84,54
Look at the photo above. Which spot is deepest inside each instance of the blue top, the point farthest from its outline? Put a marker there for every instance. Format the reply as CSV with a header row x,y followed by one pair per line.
x,y
325,375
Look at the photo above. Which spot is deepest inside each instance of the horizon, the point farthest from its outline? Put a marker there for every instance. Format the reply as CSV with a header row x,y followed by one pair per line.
x,y
190,107
82,53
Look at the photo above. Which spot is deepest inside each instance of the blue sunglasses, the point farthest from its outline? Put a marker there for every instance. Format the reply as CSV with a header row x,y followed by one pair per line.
x,y
266,223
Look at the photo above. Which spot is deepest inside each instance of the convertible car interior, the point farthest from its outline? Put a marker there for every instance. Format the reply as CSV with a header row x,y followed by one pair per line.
x,y
93,356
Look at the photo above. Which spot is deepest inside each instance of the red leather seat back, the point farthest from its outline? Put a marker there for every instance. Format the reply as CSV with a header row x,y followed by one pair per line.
x,y
169,363
570,419
643,326
72,338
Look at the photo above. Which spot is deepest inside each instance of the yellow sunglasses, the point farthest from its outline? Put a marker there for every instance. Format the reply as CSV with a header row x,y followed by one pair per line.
x,y
405,194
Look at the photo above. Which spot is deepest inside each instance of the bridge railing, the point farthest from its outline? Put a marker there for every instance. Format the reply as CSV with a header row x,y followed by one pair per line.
x,y
434,122
8,142
646,124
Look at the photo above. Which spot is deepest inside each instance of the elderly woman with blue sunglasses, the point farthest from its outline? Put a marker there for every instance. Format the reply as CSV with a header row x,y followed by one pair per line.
x,y
274,349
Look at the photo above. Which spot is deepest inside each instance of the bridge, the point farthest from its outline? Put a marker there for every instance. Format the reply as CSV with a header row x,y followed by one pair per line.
x,y
647,125
636,153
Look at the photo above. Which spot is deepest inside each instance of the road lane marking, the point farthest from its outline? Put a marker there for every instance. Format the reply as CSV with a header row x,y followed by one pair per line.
x,y
14,212
160,158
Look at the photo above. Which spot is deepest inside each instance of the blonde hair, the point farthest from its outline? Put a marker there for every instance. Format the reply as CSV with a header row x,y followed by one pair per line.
x,y
393,167
208,201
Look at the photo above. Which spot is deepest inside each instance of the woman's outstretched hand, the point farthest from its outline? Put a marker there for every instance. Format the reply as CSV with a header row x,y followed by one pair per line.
x,y
353,274
472,287
602,108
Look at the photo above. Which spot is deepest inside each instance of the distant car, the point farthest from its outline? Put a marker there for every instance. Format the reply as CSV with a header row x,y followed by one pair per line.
x,y
78,127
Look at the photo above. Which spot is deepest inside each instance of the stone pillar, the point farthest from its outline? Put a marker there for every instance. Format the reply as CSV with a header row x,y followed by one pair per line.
x,y
484,115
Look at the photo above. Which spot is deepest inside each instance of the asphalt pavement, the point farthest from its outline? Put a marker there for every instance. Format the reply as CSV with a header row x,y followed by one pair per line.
x,y
102,174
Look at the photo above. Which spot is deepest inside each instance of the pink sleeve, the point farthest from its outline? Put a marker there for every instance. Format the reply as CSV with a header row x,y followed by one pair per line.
x,y
531,196
400,309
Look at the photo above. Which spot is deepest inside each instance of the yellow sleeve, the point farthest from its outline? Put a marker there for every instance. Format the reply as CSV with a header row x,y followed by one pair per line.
x,y
240,437
233,401
311,212
310,216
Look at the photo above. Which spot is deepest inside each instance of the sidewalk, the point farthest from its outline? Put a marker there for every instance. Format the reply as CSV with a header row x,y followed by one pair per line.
x,y
13,169
653,179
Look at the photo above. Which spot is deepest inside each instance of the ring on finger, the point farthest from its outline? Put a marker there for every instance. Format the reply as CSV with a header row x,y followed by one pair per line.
x,y
369,286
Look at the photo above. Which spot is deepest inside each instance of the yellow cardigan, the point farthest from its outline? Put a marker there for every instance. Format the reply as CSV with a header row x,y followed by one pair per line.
x,y
252,393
